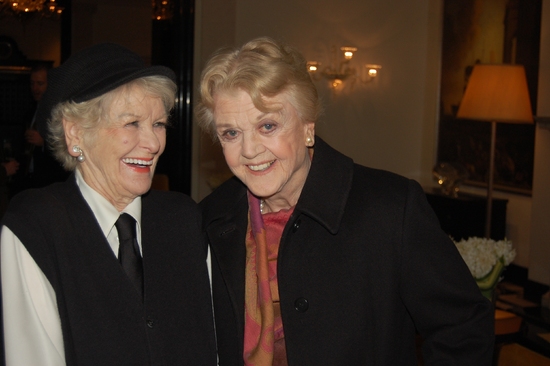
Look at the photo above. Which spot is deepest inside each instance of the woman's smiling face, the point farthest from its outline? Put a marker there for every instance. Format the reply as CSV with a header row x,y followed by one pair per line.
x,y
122,154
267,151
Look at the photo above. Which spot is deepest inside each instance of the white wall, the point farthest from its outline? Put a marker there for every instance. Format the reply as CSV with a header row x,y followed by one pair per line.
x,y
215,24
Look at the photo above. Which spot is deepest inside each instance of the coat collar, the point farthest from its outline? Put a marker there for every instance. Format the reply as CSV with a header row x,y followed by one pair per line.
x,y
327,186
323,196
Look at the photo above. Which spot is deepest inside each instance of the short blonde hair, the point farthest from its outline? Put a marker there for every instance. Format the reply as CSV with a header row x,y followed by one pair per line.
x,y
90,113
262,68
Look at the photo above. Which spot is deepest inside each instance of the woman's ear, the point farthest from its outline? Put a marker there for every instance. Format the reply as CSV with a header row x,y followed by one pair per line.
x,y
72,135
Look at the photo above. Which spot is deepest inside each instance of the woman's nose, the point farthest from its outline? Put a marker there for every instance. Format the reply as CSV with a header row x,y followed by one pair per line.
x,y
150,139
251,146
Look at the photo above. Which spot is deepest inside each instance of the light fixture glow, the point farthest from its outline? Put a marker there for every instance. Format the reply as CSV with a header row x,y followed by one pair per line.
x,y
162,9
340,70
348,52
44,8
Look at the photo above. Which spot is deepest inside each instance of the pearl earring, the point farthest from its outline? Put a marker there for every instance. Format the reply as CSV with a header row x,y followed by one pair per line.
x,y
78,150
309,141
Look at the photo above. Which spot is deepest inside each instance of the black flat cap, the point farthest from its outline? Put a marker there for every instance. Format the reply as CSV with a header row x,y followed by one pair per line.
x,y
90,73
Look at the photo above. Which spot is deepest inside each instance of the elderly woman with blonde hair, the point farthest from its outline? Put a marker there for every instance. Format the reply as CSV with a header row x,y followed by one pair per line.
x,y
317,260
101,270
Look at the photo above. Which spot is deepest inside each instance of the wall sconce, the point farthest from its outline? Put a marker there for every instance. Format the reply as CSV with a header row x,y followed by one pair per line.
x,y
340,69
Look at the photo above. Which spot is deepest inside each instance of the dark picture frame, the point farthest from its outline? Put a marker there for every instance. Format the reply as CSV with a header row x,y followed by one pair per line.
x,y
488,31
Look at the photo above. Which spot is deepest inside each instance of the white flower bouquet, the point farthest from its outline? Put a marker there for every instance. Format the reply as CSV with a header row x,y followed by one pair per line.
x,y
486,259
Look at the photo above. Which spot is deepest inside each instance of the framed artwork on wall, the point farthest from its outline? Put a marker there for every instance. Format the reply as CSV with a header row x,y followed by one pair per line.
x,y
488,32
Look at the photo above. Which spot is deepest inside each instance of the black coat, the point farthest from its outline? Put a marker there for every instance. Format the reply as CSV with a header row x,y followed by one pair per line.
x,y
363,265
103,319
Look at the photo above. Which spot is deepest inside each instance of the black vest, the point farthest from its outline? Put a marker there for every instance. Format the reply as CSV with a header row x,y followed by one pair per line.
x,y
104,321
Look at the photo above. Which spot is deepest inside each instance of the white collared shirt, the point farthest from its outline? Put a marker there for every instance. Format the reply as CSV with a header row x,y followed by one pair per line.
x,y
106,214
32,327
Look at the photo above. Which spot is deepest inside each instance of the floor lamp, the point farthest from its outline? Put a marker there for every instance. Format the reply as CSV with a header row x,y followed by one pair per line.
x,y
496,93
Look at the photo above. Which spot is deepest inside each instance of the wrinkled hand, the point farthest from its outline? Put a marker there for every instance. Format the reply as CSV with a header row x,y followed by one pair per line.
x,y
34,138
11,167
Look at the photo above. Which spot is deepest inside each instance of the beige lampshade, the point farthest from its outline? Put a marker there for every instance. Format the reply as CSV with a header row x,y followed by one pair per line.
x,y
497,93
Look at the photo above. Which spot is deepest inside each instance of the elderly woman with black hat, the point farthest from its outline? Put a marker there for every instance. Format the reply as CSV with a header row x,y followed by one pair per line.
x,y
99,270
317,260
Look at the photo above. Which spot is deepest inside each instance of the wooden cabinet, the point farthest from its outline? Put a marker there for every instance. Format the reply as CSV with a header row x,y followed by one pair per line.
x,y
464,216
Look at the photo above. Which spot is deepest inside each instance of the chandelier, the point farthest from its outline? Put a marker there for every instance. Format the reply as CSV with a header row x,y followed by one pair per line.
x,y
22,8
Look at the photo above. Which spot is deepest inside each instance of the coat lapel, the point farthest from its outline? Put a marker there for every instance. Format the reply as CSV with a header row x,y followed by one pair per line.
x,y
225,222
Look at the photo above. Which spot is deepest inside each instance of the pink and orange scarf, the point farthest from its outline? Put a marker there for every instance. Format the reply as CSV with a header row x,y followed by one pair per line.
x,y
263,334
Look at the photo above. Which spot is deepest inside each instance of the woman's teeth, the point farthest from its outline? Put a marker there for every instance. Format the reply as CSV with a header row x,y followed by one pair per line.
x,y
260,167
138,161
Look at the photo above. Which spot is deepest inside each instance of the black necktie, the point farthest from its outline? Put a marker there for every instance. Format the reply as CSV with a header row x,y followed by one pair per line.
x,y
128,250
